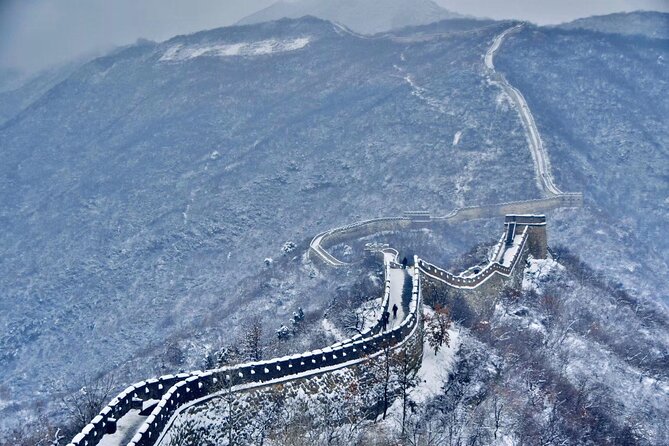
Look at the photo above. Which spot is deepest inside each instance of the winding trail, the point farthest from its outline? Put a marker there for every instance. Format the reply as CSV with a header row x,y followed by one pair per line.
x,y
542,166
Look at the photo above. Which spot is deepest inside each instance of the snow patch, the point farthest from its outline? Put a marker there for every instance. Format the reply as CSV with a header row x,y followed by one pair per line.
x,y
538,272
329,328
433,372
456,138
126,427
180,52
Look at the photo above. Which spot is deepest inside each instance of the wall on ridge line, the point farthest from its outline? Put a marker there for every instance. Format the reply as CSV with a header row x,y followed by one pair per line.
x,y
367,227
354,384
175,391
480,300
208,384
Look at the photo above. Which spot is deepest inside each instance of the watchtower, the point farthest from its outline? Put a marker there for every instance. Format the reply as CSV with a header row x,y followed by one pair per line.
x,y
537,241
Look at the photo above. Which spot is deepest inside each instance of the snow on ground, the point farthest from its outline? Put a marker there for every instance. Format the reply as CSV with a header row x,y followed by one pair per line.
x,y
433,372
330,329
422,94
262,47
397,278
371,311
510,252
624,383
538,272
126,427
456,137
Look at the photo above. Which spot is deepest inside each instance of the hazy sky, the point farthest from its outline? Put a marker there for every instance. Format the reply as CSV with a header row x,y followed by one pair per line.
x,y
38,33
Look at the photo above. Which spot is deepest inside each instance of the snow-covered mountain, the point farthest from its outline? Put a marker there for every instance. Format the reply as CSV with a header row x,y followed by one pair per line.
x,y
649,24
363,16
142,193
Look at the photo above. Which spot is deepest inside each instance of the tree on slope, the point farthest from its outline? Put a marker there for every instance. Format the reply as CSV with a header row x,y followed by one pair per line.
x,y
405,376
253,341
436,328
85,404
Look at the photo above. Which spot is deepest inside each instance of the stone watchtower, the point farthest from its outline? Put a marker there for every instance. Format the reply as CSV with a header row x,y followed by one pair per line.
x,y
537,241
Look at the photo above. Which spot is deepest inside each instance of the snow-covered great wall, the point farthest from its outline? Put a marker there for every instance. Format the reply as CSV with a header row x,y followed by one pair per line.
x,y
142,413
172,393
542,166
417,220
166,396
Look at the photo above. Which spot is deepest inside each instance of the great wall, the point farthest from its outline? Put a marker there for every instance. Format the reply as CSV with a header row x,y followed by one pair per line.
x,y
147,409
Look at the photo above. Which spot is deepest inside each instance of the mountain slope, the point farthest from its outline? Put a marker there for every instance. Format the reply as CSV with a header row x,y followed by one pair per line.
x,y
139,194
142,195
644,23
599,104
363,16
18,93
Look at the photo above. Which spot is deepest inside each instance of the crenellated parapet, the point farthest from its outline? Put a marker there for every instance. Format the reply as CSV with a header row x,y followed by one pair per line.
x,y
523,235
318,248
176,392
171,394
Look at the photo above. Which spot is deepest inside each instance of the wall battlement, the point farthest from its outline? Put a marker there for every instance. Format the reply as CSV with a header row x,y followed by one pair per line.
x,y
524,235
177,391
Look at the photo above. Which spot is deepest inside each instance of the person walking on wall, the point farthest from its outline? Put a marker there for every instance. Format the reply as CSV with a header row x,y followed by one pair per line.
x,y
395,311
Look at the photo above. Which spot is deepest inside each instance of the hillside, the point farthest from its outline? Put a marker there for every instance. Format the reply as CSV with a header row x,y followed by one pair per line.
x,y
363,16
19,91
601,110
549,363
142,191
142,194
643,23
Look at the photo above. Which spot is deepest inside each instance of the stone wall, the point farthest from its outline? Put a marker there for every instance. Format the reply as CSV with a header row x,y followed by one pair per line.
x,y
324,240
362,375
477,293
479,299
174,392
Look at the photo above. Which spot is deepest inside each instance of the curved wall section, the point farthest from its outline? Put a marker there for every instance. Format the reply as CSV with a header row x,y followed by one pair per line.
x,y
174,391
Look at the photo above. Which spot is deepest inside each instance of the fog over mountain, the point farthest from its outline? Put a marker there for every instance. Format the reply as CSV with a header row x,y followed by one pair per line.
x,y
363,16
38,34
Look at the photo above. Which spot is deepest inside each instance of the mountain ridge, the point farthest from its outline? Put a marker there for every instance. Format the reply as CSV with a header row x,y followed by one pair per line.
x,y
359,15
651,24
140,184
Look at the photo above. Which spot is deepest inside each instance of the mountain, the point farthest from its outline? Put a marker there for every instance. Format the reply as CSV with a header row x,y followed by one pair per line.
x,y
363,16
19,90
10,78
643,23
142,194
603,118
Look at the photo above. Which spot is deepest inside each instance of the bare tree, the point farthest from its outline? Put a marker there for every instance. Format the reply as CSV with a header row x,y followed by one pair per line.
x,y
233,419
436,328
405,374
421,432
253,341
386,376
264,419
84,404
356,321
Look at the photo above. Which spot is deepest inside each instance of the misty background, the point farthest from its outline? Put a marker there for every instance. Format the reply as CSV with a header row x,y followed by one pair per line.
x,y
35,34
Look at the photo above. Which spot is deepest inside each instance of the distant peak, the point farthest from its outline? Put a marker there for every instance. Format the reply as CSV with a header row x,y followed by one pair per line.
x,y
362,16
